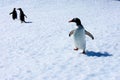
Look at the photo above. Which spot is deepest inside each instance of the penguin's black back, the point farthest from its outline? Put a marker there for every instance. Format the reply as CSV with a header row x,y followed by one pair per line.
x,y
22,15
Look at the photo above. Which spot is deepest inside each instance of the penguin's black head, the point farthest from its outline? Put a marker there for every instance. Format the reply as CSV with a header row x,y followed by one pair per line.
x,y
19,9
76,20
14,9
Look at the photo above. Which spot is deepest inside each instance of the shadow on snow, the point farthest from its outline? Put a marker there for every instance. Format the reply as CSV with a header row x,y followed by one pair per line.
x,y
28,22
98,54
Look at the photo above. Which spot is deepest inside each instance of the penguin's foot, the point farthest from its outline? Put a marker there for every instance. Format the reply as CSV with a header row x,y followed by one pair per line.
x,y
84,52
76,49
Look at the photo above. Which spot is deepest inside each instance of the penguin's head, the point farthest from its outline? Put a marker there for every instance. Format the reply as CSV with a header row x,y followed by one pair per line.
x,y
76,20
14,9
19,9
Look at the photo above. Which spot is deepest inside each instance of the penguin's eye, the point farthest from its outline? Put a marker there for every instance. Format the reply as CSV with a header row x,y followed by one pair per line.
x,y
74,20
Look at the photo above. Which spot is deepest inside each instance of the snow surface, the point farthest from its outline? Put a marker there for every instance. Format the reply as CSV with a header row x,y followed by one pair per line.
x,y
42,50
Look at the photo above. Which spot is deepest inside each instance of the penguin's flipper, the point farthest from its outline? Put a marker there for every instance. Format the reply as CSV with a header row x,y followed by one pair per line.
x,y
10,13
89,34
25,15
71,32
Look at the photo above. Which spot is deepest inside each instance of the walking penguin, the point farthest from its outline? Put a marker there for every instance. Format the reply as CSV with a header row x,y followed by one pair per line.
x,y
22,15
79,35
14,14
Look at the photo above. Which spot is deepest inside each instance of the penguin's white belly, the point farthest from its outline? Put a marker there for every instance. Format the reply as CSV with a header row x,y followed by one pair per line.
x,y
79,38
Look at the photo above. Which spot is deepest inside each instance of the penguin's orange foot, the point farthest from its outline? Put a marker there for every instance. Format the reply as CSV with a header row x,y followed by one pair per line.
x,y
76,49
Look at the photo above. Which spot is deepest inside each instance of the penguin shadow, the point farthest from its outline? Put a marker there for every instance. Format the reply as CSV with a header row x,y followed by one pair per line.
x,y
117,0
98,54
28,22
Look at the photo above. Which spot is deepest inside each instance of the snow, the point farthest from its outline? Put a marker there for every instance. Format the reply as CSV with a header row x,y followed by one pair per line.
x,y
42,50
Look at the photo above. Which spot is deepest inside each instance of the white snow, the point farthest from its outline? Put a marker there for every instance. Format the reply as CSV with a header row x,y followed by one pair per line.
x,y
42,50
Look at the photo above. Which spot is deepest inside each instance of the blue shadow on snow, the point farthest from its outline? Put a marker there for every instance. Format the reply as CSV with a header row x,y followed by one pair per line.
x,y
98,54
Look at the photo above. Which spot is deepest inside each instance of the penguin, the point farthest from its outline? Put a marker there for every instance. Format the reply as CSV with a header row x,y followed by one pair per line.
x,y
22,15
79,35
14,14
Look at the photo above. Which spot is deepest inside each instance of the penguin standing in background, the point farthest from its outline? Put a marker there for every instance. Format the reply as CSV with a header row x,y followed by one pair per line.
x,y
22,15
14,14
79,35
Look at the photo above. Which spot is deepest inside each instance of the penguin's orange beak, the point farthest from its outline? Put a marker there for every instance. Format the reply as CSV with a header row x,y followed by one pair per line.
x,y
70,21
